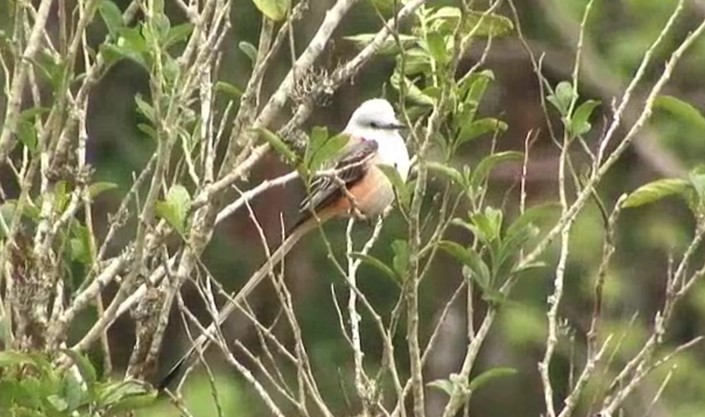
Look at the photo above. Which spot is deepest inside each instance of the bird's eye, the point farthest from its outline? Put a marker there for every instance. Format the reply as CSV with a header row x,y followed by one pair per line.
x,y
374,125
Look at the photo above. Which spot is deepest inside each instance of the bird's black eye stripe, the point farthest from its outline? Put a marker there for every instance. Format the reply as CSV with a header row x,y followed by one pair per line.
x,y
374,124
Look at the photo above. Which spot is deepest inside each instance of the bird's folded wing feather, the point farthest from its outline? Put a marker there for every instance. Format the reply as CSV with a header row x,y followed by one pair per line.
x,y
351,167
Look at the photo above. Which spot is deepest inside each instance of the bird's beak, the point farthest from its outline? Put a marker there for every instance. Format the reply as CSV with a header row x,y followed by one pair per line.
x,y
396,125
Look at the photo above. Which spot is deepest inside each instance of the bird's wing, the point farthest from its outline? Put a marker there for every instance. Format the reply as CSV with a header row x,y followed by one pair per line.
x,y
351,167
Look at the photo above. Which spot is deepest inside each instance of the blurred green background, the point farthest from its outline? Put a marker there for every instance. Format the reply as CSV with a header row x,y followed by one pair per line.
x,y
617,35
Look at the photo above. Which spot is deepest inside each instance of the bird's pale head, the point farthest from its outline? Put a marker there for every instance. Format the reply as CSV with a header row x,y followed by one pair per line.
x,y
375,120
374,115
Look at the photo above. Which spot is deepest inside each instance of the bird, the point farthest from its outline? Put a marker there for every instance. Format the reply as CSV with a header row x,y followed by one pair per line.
x,y
360,188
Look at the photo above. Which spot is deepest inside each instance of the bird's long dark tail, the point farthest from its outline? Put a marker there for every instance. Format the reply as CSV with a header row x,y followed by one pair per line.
x,y
202,342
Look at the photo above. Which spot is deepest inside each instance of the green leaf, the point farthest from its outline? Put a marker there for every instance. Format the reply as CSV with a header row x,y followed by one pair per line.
x,y
61,195
474,128
115,53
148,130
27,134
133,39
448,171
249,50
563,95
113,396
132,403
146,109
681,109
483,169
579,122
58,403
489,375
278,144
532,215
388,46
403,191
321,148
488,225
446,19
228,89
377,264
178,33
175,207
97,188
468,257
475,86
74,392
655,191
413,93
52,69
84,365
80,244
401,256
14,358
275,10
443,385
111,15
437,47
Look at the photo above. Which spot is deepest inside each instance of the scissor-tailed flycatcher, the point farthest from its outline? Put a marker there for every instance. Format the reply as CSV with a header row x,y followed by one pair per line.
x,y
359,188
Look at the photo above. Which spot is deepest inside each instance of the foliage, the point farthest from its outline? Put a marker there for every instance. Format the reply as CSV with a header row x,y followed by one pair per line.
x,y
92,239
30,385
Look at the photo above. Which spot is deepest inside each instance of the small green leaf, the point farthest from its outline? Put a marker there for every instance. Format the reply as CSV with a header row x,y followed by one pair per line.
x,y
480,271
402,189
532,215
448,171
178,33
275,10
655,191
483,169
228,89
74,392
146,109
413,93
113,394
377,264
80,244
248,49
278,144
52,69
476,128
446,19
488,225
487,376
27,134
388,46
59,404
476,85
115,53
148,130
14,358
330,148
84,365
562,97
321,147
175,207
401,256
443,385
579,122
437,47
97,188
111,15
685,111
61,195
